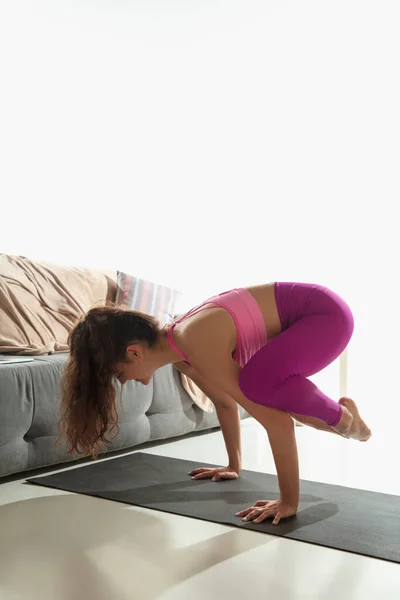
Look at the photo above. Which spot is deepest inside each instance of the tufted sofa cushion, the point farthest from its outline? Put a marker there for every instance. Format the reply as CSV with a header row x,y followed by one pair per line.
x,y
29,413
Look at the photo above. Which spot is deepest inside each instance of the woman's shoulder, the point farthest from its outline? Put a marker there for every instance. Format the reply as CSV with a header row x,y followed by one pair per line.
x,y
210,330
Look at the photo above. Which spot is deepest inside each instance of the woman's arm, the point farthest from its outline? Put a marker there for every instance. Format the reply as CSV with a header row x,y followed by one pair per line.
x,y
227,413
281,434
221,370
229,419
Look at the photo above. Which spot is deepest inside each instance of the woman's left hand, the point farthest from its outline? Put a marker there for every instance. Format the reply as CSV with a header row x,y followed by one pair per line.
x,y
215,474
264,509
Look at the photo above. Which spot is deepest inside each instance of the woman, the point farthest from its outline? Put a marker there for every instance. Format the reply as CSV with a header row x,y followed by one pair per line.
x,y
251,346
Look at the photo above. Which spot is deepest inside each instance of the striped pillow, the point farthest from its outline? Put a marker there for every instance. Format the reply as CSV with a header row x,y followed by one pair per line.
x,y
139,294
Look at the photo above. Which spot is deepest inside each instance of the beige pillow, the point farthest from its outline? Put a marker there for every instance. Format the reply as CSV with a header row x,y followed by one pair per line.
x,y
40,303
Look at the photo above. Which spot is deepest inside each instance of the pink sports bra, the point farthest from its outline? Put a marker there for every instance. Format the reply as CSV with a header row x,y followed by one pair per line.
x,y
249,321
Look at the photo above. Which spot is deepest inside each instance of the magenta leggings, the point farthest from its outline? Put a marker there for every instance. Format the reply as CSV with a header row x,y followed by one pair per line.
x,y
316,327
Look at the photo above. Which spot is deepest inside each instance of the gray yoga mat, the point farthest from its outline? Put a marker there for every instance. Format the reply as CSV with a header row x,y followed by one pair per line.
x,y
338,517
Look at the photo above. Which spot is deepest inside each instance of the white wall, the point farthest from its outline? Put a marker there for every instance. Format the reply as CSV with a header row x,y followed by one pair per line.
x,y
208,145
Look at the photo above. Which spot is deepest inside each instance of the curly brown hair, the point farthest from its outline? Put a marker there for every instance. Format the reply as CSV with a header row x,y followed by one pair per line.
x,y
88,394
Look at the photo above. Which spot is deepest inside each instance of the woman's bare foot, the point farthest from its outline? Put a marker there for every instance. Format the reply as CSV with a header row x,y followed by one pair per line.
x,y
351,424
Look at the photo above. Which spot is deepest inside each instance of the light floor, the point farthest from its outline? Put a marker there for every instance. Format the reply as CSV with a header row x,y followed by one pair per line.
x,y
60,546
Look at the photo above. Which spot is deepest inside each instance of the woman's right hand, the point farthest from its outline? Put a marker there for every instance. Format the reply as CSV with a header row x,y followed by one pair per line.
x,y
215,474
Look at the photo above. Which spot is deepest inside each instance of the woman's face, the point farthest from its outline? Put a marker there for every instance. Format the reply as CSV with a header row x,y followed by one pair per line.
x,y
137,366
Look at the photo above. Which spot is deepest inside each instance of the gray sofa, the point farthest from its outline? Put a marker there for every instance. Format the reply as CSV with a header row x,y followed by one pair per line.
x,y
29,413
